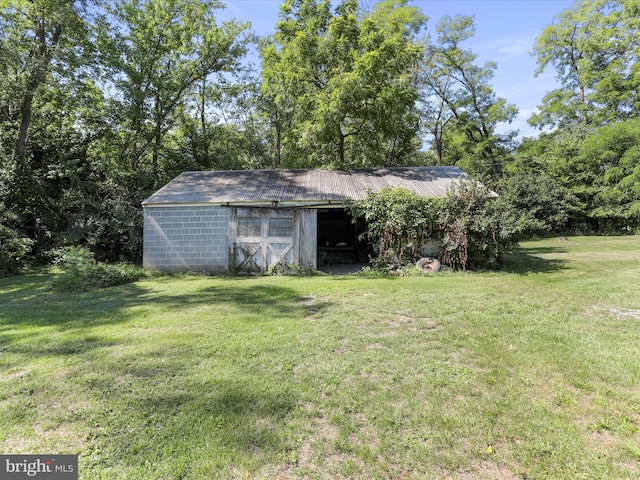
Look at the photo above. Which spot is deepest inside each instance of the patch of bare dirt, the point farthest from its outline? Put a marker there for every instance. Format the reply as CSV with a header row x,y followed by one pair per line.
x,y
617,313
321,440
623,313
483,471
17,374
366,434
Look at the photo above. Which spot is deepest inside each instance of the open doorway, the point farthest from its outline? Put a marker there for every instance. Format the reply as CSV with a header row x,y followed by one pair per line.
x,y
339,238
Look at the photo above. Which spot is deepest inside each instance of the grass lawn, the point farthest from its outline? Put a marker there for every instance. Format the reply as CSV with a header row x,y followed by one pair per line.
x,y
348,377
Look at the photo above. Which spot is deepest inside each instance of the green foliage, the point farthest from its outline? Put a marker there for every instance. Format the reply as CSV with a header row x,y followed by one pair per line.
x,y
107,96
338,85
112,225
158,54
14,246
43,131
14,250
460,108
595,49
473,230
600,168
230,135
612,155
45,38
398,222
537,203
290,270
83,273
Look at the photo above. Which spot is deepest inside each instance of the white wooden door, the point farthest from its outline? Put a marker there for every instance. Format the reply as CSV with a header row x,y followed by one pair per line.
x,y
261,239
248,257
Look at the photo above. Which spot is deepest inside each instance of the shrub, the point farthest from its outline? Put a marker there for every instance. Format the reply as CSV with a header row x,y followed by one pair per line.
x,y
537,203
83,273
398,222
14,248
473,229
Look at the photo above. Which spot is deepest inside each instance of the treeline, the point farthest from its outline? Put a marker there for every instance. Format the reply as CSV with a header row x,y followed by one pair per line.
x,y
101,103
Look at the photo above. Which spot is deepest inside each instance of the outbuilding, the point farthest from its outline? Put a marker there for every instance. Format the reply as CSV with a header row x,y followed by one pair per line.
x,y
250,220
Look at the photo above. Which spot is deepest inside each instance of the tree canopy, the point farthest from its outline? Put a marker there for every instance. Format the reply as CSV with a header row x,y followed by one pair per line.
x,y
101,102
594,48
340,83
468,110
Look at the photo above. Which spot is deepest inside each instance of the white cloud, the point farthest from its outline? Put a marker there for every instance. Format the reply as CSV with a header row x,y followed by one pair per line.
x,y
506,48
516,47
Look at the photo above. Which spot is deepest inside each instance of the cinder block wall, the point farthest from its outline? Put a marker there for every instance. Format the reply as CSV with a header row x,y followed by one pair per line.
x,y
185,238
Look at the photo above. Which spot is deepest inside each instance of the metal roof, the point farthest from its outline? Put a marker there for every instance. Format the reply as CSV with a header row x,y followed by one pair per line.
x,y
300,186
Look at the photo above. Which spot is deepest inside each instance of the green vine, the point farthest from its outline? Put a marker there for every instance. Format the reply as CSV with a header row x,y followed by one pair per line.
x,y
469,224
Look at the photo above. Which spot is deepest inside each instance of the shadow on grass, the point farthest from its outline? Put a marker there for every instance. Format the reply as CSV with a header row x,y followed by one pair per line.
x,y
41,347
545,250
175,399
266,301
527,262
34,306
29,303
143,397
36,323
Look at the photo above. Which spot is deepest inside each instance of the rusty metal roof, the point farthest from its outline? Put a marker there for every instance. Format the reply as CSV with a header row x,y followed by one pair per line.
x,y
301,186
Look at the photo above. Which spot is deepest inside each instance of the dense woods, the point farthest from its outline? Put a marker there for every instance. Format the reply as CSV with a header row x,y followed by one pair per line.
x,y
103,102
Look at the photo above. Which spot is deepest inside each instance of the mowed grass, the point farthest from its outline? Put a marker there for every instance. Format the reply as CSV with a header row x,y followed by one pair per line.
x,y
348,377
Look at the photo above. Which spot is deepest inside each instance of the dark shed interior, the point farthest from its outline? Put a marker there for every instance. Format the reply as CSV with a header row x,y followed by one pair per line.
x,y
338,238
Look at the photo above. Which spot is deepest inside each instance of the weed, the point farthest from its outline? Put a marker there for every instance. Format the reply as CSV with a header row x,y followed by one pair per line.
x,y
291,270
82,272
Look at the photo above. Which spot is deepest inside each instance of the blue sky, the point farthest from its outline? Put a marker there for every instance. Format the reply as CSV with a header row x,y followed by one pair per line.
x,y
505,33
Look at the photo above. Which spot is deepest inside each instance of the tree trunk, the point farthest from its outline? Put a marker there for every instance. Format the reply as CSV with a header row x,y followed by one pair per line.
x,y
278,144
36,78
583,106
203,124
341,149
20,148
157,137
438,144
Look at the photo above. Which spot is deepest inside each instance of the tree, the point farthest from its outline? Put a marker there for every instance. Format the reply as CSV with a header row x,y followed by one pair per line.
x,y
157,52
435,115
473,110
611,155
563,45
36,36
600,167
45,57
93,102
227,132
595,50
537,203
14,246
338,87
